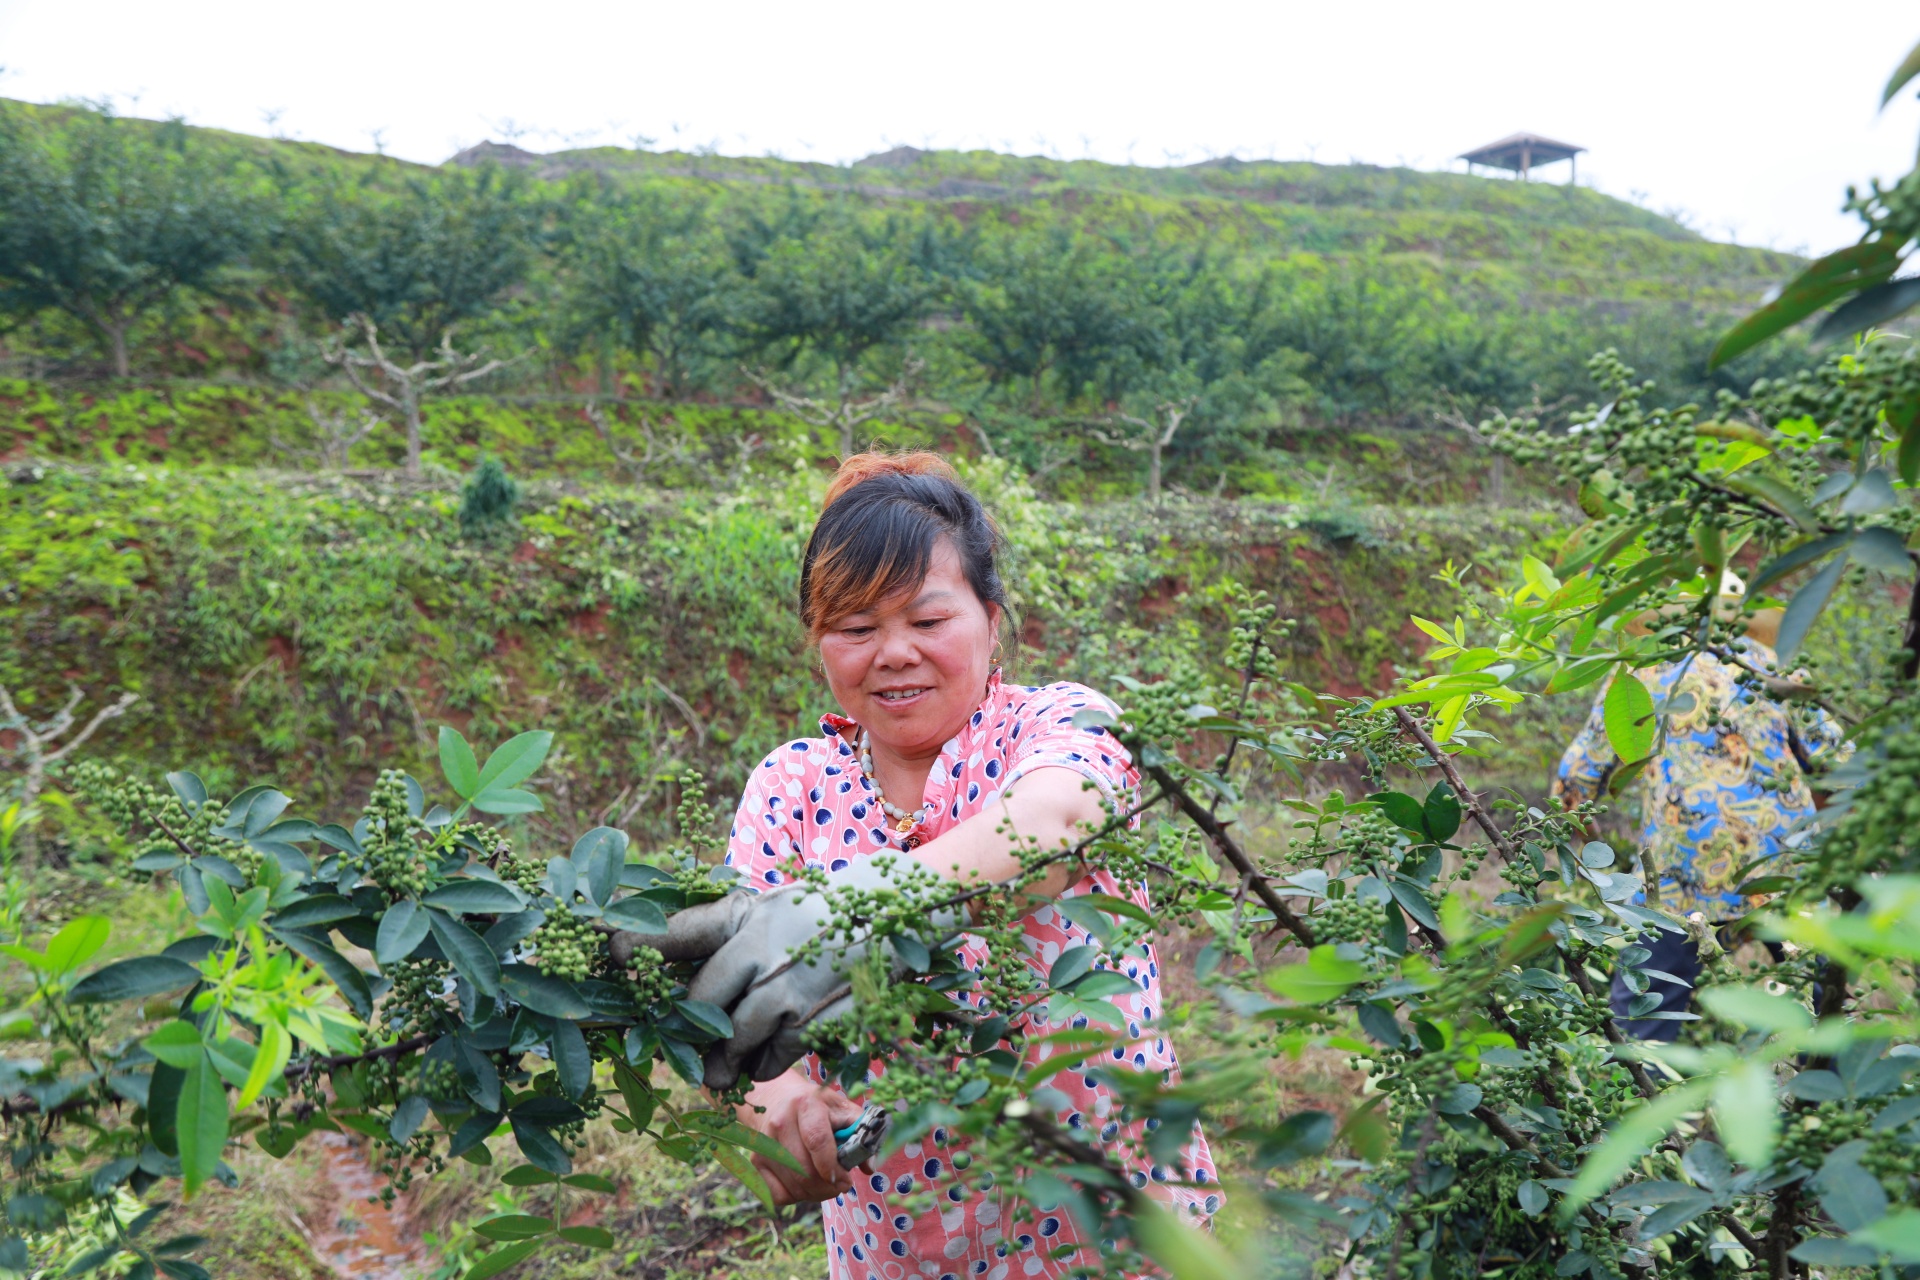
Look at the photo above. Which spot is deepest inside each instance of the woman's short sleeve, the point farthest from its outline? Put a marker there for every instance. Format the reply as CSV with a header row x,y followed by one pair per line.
x,y
764,843
1044,736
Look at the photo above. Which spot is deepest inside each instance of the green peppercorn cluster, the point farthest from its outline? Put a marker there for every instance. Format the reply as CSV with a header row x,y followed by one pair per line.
x,y
396,845
1348,919
1880,830
565,946
1161,712
156,821
648,982
1250,642
417,1000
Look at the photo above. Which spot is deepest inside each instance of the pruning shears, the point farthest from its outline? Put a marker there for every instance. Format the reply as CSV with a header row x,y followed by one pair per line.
x,y
860,1141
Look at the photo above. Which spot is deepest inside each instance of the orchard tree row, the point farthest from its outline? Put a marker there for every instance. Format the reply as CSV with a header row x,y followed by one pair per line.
x,y
125,243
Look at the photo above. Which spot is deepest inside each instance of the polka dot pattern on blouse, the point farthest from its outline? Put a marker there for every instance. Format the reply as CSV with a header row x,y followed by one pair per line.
x,y
808,802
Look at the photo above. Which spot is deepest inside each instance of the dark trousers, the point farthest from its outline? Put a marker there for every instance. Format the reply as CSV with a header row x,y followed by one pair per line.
x,y
1673,953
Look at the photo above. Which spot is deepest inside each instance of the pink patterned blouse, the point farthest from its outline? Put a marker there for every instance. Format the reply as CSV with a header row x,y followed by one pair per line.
x,y
809,802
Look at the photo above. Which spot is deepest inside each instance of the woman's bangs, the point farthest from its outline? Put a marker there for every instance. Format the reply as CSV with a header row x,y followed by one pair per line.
x,y
876,561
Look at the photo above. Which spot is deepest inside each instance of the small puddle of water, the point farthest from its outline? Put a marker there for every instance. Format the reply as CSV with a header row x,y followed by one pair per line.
x,y
358,1240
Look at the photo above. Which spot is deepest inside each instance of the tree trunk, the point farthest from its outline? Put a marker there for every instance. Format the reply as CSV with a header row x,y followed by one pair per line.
x,y
1153,471
413,433
117,339
26,857
846,414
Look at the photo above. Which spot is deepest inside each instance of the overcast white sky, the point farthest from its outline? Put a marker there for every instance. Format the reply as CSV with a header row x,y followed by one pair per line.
x,y
1751,116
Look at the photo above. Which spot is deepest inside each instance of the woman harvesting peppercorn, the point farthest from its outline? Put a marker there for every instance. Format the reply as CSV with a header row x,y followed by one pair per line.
x,y
937,765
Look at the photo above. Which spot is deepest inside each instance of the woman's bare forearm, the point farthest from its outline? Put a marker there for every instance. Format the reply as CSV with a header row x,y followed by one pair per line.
x,y
1050,808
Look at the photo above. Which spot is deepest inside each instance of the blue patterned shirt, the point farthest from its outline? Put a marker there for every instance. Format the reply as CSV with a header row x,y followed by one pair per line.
x,y
1727,790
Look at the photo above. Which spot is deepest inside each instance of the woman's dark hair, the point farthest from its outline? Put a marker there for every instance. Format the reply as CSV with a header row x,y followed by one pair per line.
x,y
876,533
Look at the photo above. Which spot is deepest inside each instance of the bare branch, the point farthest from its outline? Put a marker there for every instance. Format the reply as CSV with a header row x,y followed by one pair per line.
x,y
100,717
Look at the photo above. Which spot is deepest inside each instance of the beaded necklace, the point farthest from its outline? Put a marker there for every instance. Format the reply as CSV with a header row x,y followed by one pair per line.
x,y
903,820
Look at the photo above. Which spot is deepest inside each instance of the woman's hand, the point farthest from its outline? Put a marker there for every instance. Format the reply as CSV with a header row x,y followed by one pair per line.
x,y
801,1116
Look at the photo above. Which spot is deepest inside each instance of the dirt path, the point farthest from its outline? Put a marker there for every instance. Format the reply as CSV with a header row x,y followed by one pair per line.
x,y
355,1239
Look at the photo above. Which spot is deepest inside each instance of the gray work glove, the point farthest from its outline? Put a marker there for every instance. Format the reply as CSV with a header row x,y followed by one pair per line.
x,y
749,939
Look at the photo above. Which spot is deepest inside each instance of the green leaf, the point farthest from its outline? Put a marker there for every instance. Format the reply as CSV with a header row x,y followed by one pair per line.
x,y
1074,963
1869,309
1325,976
1826,281
554,997
572,1060
1776,495
591,1182
91,1259
710,1018
636,1093
1883,549
592,1237
1413,901
1458,1099
76,944
457,763
526,1175
408,1117
1897,1234
513,1226
1751,1007
403,928
1796,558
1909,68
1442,812
911,952
482,897
1870,493
466,950
1630,1138
636,914
176,1043
352,983
597,843
321,908
1123,907
753,1140
1746,1112
514,761
736,1162
1805,608
1104,983
539,1146
1851,1196
163,1107
1403,811
1628,713
269,1060
510,1255
192,791
133,979
507,800
1907,461
201,1124
1533,1198
1183,1252
683,1058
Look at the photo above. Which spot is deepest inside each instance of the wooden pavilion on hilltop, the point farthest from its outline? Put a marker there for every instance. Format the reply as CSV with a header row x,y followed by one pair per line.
x,y
1520,152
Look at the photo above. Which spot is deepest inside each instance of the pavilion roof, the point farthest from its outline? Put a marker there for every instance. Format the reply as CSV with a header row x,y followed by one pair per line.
x,y
1510,151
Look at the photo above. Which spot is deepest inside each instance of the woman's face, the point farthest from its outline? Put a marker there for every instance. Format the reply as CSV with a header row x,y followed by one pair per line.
x,y
912,669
